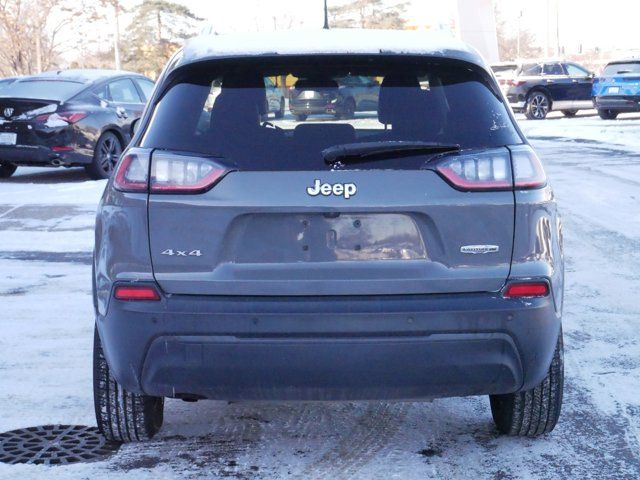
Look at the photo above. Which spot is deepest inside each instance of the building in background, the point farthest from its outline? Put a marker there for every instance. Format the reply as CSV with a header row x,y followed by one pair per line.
x,y
471,20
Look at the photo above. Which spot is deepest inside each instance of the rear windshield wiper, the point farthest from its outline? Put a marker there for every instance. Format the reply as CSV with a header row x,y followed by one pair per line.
x,y
370,151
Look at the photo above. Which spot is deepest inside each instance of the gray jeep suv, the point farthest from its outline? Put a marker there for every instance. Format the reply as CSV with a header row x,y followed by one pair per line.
x,y
411,253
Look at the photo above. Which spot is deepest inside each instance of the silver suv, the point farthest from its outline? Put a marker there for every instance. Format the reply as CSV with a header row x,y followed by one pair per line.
x,y
411,252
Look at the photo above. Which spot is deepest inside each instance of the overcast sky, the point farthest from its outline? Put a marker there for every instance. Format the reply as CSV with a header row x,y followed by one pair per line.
x,y
581,21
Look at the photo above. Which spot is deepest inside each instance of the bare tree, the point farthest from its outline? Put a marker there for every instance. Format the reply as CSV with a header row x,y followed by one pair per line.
x,y
517,45
30,33
368,14
157,30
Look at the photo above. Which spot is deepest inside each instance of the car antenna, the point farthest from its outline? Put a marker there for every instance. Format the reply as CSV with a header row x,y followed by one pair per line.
x,y
326,16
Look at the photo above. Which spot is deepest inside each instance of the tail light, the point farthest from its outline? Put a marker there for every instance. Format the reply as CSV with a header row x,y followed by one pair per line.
x,y
136,293
527,168
132,173
175,173
170,172
526,290
59,119
489,170
516,83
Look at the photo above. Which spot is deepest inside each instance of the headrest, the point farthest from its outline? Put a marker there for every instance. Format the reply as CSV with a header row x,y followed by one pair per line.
x,y
246,88
317,82
324,134
399,93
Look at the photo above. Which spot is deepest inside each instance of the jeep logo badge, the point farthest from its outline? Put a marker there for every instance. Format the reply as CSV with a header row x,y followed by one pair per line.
x,y
346,190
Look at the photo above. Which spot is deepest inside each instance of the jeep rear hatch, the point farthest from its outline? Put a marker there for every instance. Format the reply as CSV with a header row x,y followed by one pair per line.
x,y
245,204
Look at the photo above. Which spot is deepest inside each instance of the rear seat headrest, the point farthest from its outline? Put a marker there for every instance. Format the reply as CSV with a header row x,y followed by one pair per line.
x,y
397,92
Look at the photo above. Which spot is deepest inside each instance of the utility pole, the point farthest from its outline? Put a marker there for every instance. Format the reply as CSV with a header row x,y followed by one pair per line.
x,y
116,36
557,28
519,32
326,16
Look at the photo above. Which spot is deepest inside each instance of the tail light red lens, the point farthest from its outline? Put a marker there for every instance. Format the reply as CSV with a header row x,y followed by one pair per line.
x,y
516,83
136,293
175,173
59,119
132,173
526,289
527,168
489,170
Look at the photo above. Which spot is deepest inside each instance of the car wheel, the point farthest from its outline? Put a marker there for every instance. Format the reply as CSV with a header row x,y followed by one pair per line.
x,y
536,411
105,156
569,113
280,113
301,118
538,106
608,114
349,108
7,169
122,416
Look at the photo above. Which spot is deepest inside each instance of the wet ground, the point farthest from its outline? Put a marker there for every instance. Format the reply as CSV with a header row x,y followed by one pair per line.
x,y
46,333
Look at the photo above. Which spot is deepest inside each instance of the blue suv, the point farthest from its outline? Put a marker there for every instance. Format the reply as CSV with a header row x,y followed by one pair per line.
x,y
617,89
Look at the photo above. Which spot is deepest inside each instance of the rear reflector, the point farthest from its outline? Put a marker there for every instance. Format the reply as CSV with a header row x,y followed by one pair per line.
x,y
529,289
132,173
62,149
488,170
136,293
177,173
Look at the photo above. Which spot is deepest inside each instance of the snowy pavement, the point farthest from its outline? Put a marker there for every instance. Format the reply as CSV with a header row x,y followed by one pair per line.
x,y
46,327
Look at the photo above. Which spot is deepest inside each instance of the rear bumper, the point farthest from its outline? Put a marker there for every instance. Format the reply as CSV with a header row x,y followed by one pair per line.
x,y
329,348
313,109
619,103
38,155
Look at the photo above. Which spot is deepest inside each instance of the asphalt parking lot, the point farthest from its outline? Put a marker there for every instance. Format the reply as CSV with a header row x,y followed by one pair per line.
x,y
46,237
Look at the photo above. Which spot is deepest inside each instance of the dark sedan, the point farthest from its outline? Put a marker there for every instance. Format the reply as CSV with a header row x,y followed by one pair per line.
x,y
536,89
70,118
342,97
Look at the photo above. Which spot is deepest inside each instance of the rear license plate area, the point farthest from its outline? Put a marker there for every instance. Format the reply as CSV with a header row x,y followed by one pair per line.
x,y
330,237
7,138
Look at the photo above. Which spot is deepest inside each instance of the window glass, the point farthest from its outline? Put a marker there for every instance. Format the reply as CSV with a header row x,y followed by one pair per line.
x,y
43,89
621,68
146,86
124,91
534,69
576,71
553,69
221,111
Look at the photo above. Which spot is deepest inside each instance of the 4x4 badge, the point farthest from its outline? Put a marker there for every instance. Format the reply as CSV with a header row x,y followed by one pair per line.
x,y
182,253
475,249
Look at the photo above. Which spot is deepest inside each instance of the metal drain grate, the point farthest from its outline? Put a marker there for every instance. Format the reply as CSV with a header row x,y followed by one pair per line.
x,y
54,445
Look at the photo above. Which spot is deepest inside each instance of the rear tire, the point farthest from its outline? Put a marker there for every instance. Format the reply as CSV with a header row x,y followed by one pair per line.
x,y
538,106
569,113
7,169
122,416
105,156
280,113
301,118
533,412
349,109
608,114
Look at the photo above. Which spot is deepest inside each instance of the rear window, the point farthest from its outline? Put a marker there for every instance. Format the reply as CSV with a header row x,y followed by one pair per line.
x,y
532,69
621,68
224,110
42,89
502,70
